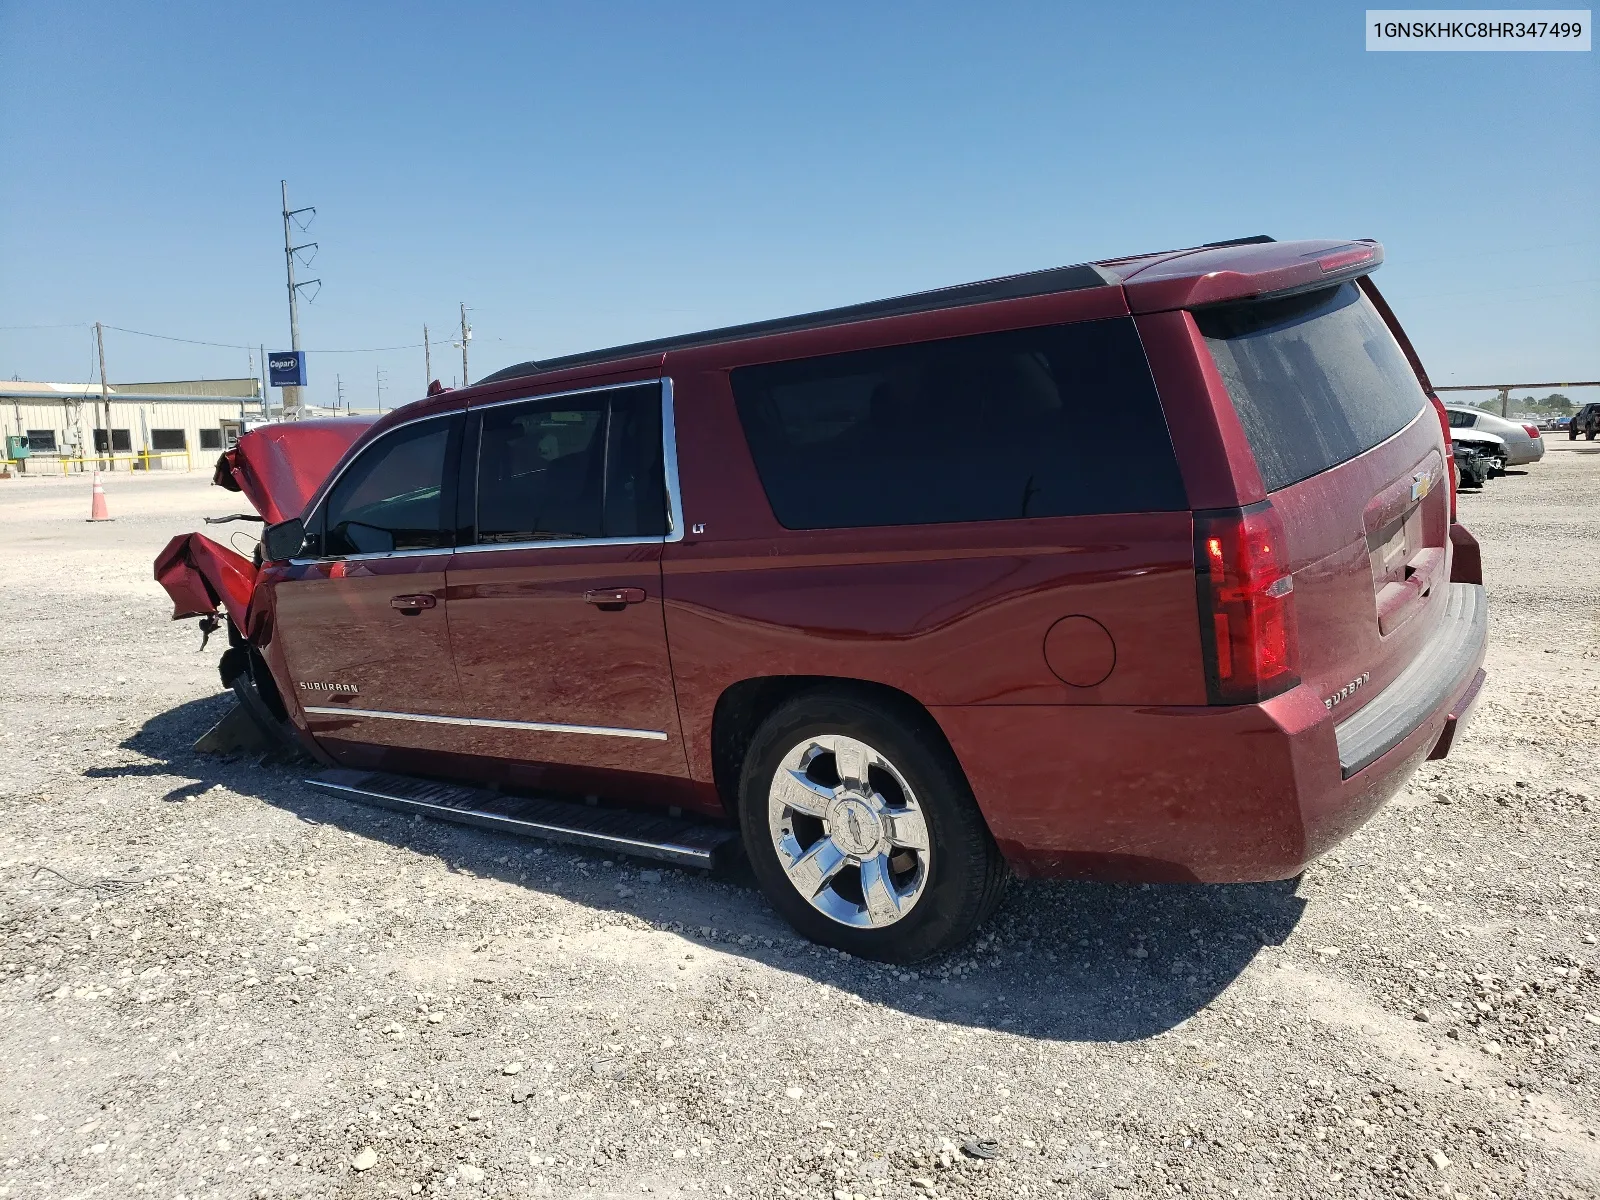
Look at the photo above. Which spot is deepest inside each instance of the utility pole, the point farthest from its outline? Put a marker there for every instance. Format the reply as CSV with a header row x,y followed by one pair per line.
x,y
378,371
466,338
291,395
105,392
427,361
338,384
266,402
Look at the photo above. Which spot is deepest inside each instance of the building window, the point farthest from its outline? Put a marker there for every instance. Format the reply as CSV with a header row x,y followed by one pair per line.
x,y
211,439
121,441
42,441
168,439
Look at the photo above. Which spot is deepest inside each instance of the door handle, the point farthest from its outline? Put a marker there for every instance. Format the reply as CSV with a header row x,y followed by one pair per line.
x,y
411,605
615,598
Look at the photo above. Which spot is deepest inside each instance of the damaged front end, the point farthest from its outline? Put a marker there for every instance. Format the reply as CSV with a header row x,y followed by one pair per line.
x,y
216,584
278,468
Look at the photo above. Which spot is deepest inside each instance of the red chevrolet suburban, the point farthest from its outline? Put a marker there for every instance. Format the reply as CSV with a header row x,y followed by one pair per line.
x,y
1145,569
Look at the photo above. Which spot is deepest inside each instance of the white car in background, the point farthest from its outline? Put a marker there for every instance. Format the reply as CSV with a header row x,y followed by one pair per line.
x,y
1523,443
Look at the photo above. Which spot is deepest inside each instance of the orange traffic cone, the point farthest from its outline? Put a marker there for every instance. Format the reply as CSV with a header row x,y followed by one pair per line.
x,y
97,507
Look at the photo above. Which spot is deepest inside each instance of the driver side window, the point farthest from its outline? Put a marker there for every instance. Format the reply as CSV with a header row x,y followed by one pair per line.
x,y
397,496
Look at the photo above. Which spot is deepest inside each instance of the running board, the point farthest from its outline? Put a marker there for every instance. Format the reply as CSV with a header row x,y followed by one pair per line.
x,y
671,839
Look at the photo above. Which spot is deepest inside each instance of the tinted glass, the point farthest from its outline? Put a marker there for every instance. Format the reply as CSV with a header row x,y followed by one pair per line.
x,y
584,466
636,485
393,496
1461,420
541,471
1316,379
165,439
1044,422
42,439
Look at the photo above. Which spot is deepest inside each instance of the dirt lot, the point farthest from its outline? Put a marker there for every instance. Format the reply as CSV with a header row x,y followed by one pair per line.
x,y
217,983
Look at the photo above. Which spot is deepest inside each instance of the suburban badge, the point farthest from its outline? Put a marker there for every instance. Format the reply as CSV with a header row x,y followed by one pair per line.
x,y
1344,693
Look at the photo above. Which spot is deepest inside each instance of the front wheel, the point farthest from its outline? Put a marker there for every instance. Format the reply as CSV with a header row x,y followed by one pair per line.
x,y
863,832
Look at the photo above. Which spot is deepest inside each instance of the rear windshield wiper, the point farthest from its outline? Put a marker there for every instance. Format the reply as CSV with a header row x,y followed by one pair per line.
x,y
234,517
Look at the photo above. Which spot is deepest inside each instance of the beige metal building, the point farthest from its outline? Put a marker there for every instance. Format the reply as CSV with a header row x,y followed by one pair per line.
x,y
154,426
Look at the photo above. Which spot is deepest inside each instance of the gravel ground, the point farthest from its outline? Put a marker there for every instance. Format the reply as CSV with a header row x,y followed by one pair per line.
x,y
217,983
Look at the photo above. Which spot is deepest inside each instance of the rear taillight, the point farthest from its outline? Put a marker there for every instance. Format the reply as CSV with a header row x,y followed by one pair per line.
x,y
1246,594
1449,454
1533,431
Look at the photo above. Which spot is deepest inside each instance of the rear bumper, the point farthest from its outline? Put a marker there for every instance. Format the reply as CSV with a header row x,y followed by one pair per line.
x,y
1521,453
1213,795
1443,670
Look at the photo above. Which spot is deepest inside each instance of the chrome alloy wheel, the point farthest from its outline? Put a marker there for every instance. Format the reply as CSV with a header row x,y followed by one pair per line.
x,y
849,832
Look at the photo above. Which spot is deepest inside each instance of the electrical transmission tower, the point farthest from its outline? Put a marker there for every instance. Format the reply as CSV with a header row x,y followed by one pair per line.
x,y
291,395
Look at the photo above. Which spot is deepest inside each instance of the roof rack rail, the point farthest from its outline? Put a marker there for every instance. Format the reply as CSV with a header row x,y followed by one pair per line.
x,y
1008,287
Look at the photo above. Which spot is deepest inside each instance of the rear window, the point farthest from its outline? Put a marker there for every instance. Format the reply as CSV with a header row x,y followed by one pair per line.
x,y
1316,379
1047,422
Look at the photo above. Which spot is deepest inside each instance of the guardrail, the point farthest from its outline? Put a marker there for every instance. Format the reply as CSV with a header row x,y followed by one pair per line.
x,y
63,464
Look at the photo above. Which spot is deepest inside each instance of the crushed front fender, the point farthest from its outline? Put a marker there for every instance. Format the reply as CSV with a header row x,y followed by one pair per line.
x,y
202,577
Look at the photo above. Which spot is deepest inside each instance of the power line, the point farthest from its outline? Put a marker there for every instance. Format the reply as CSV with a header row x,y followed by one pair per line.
x,y
235,346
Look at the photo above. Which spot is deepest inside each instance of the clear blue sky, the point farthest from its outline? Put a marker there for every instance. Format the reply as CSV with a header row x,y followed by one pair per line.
x,y
583,175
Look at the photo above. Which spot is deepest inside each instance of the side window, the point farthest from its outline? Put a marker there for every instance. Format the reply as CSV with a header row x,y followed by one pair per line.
x,y
1055,421
636,485
541,470
394,497
586,466
1461,420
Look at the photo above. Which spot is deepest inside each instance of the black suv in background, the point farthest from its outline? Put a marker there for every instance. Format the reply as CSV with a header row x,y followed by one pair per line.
x,y
1585,421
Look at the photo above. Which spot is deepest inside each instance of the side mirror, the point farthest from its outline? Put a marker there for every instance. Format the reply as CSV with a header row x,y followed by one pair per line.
x,y
283,540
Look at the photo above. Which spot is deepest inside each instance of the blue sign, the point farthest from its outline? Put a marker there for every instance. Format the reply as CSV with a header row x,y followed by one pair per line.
x,y
287,368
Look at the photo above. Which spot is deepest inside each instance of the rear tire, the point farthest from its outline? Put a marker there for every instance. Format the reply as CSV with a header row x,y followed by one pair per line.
x,y
863,832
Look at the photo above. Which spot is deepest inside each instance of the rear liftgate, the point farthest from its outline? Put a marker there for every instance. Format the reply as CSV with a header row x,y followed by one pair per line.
x,y
670,839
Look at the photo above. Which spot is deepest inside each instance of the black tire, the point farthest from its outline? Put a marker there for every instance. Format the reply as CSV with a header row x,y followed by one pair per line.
x,y
1572,433
964,875
1589,436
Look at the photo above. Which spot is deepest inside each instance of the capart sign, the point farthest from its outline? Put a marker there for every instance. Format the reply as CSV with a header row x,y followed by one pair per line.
x,y
287,368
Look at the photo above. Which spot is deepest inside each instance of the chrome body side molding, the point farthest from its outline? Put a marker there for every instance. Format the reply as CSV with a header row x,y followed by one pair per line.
x,y
652,735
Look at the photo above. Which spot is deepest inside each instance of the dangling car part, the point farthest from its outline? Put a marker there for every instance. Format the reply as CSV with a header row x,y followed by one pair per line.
x,y
277,468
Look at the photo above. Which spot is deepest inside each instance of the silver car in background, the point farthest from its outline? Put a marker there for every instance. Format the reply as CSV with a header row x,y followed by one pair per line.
x,y
1523,443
